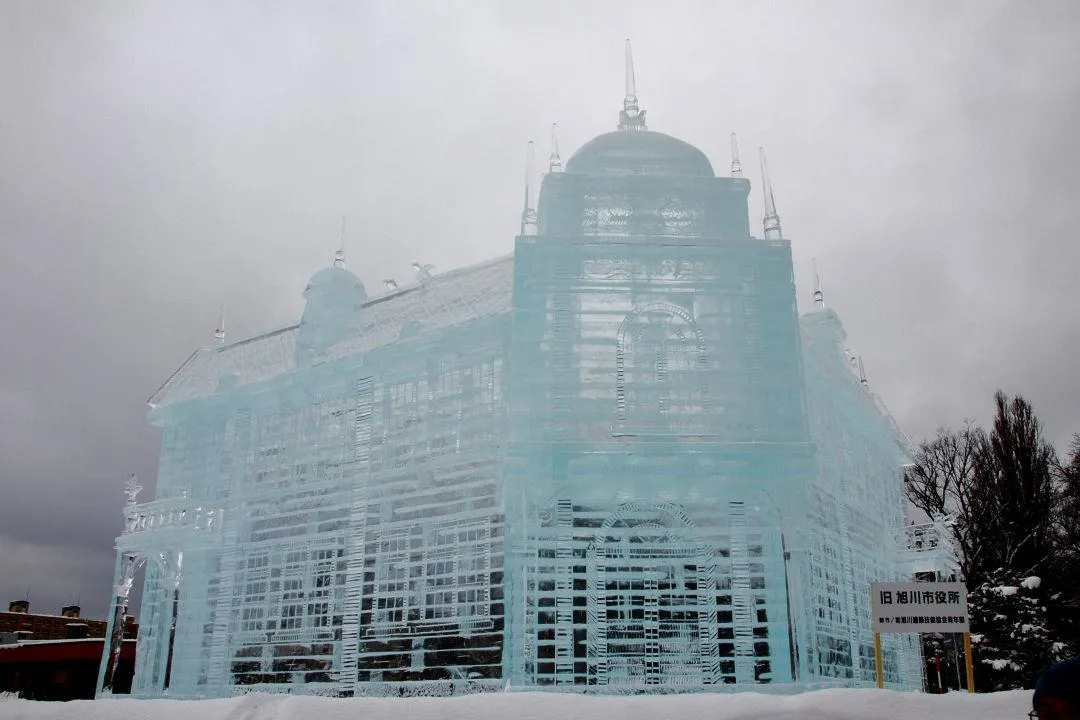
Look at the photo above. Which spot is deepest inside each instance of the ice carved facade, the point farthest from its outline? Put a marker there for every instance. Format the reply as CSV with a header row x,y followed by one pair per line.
x,y
617,461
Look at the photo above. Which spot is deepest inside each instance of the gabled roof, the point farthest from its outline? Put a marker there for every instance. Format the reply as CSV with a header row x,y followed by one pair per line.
x,y
452,298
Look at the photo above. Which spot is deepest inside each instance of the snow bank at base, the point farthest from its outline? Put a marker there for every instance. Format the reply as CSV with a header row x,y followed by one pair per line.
x,y
822,705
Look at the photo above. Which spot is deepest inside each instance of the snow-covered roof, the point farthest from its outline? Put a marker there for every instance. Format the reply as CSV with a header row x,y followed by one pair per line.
x,y
61,641
46,615
441,301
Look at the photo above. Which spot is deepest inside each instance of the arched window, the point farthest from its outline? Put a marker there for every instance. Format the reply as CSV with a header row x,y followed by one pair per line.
x,y
660,356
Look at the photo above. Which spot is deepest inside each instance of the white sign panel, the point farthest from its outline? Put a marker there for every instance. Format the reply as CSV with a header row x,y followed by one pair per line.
x,y
920,607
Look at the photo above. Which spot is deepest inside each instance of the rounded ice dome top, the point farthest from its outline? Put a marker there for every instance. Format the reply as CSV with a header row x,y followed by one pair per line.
x,y
639,153
335,281
332,312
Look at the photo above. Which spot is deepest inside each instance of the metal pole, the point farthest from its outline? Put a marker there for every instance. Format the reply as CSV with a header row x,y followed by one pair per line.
x,y
956,660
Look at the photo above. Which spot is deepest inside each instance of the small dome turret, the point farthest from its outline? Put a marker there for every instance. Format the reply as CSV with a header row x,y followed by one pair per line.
x,y
334,296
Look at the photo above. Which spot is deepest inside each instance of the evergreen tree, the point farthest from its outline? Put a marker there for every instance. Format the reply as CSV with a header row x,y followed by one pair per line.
x,y
1065,612
1016,493
1015,512
1011,637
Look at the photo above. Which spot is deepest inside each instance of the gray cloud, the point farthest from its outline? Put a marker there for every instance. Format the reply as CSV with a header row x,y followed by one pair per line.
x,y
157,159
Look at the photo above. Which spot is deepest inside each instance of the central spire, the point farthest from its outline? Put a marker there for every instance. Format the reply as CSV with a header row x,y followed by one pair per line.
x,y
632,117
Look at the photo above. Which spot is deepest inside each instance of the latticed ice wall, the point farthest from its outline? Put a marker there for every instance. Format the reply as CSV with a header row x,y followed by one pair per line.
x,y
656,458
432,607
855,511
281,463
361,528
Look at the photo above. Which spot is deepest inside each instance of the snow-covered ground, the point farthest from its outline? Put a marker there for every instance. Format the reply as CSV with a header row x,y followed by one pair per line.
x,y
822,705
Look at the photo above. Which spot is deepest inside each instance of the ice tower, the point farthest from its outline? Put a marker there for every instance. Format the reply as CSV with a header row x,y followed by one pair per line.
x,y
664,505
617,461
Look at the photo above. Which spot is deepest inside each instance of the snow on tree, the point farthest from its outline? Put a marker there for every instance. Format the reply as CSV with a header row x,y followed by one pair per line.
x,y
1010,637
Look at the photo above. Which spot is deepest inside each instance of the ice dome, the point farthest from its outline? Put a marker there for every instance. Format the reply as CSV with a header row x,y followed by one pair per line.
x,y
336,281
334,296
639,153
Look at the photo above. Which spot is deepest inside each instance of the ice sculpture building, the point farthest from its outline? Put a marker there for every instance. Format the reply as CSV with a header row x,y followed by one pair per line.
x,y
615,461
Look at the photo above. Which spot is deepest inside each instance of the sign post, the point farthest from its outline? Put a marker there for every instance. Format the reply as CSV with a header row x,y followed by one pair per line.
x,y
967,662
920,607
880,665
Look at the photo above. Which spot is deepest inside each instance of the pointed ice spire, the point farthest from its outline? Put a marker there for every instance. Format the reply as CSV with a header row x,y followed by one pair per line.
x,y
423,272
219,333
862,373
819,296
736,166
554,162
528,212
339,256
771,220
632,117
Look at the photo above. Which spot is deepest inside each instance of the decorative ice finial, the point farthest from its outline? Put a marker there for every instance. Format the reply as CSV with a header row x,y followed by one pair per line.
x,y
423,272
219,333
390,283
632,117
819,296
771,220
339,256
862,373
736,166
528,213
554,162
132,488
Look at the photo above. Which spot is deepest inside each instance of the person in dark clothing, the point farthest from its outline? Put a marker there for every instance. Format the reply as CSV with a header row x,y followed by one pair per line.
x,y
1057,693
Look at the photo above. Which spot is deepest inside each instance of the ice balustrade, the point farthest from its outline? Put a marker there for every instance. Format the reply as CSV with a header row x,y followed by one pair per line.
x,y
169,515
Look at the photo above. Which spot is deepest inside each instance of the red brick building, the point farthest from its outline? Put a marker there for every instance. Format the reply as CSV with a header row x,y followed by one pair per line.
x,y
56,657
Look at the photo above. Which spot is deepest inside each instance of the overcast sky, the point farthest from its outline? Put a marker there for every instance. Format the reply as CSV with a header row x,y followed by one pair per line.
x,y
160,158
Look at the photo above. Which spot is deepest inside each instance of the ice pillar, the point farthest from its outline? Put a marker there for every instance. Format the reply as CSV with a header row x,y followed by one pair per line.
x,y
126,566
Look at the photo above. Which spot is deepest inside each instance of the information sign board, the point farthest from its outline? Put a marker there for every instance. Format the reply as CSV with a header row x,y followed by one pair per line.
x,y
919,607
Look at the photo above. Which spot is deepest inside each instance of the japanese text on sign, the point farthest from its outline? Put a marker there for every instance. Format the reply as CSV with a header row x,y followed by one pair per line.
x,y
919,607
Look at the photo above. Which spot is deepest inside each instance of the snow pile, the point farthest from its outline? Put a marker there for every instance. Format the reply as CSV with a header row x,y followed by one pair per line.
x,y
821,705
